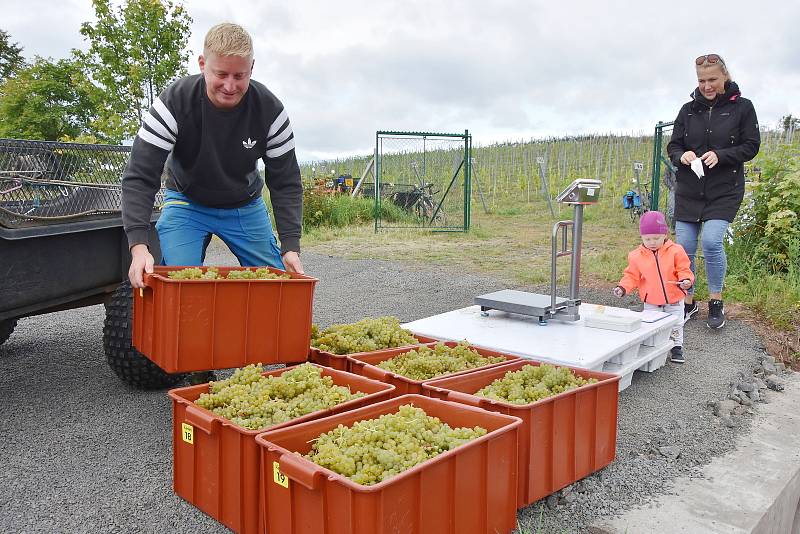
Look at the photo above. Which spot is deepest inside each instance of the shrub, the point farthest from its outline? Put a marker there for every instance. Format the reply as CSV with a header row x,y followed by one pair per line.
x,y
322,209
768,222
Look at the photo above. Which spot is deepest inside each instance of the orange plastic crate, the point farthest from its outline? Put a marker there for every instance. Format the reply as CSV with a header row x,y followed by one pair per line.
x,y
340,361
562,439
366,364
469,490
217,470
198,325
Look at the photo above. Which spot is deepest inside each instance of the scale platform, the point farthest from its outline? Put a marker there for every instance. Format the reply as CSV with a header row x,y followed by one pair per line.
x,y
564,343
521,302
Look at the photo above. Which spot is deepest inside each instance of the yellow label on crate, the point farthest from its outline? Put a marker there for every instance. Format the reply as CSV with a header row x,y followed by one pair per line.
x,y
187,433
280,478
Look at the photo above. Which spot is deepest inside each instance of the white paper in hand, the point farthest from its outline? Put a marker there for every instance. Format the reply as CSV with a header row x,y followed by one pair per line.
x,y
697,167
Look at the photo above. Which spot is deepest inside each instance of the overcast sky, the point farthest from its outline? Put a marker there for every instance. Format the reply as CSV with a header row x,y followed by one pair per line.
x,y
502,69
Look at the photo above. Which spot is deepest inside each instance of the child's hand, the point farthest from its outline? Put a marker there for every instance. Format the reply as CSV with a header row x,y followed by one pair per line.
x,y
618,291
686,284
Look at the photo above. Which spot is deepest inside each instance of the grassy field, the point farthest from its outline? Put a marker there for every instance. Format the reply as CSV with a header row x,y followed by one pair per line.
x,y
512,244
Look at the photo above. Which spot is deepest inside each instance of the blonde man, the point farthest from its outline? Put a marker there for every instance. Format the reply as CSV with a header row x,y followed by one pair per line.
x,y
207,133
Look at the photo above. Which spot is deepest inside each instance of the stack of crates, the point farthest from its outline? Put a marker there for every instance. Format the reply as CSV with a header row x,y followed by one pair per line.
x,y
256,481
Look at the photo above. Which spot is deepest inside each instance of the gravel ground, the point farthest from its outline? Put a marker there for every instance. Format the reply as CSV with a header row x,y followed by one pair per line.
x,y
82,452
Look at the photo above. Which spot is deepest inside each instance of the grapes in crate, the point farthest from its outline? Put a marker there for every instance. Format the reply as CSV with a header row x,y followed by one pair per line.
x,y
425,363
254,401
362,336
212,273
373,450
532,383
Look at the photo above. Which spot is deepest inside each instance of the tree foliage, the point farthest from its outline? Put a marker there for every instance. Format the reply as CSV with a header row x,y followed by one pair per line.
x,y
48,100
136,49
11,59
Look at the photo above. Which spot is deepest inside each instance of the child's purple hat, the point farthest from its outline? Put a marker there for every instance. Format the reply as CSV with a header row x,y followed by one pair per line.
x,y
653,222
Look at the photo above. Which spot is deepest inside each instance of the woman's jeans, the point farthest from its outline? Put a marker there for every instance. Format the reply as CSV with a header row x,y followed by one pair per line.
x,y
185,229
713,234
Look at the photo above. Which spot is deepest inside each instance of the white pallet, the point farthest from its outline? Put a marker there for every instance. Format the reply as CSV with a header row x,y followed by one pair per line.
x,y
652,358
563,343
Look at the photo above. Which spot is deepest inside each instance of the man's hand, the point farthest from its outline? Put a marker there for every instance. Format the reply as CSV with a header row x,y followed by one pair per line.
x,y
141,261
688,157
291,260
686,283
710,159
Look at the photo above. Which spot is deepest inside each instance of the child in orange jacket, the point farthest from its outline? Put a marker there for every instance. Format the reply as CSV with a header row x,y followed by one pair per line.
x,y
660,269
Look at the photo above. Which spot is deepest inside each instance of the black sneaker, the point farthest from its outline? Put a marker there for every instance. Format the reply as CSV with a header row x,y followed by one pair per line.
x,y
690,310
716,314
676,355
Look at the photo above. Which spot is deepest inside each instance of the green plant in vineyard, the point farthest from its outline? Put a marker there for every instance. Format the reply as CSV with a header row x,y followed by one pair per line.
x,y
362,336
373,450
254,401
425,363
533,383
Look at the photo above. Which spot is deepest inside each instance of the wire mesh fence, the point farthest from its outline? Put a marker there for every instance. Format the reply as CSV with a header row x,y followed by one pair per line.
x,y
43,182
426,175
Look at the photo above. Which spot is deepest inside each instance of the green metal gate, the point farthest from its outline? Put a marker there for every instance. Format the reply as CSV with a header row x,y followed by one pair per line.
x,y
663,173
427,176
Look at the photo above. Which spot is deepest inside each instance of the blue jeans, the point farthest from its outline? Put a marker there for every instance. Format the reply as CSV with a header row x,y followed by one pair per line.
x,y
713,234
185,229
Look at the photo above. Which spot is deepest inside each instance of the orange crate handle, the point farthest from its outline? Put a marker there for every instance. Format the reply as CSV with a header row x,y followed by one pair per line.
x,y
205,421
373,372
300,470
463,398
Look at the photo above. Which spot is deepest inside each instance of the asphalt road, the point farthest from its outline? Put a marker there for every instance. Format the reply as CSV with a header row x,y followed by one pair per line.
x,y
82,452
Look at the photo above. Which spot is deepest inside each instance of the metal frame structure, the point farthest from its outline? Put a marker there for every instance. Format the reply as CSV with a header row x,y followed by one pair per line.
x,y
465,166
658,159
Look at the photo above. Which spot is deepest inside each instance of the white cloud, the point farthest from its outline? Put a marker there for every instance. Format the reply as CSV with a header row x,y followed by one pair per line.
x,y
504,69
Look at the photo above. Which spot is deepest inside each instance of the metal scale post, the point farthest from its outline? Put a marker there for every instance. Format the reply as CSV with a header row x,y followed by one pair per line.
x,y
579,193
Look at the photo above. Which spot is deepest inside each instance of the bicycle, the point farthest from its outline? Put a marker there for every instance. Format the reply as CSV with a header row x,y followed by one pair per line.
x,y
420,201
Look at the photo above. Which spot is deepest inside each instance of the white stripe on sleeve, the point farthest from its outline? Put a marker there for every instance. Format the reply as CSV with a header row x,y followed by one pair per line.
x,y
146,136
157,127
166,116
282,118
280,138
281,150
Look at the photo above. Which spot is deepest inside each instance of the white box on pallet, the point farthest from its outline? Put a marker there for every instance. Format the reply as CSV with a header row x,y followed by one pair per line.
x,y
608,321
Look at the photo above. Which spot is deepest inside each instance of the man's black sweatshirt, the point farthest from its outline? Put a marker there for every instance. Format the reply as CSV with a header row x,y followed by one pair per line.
x,y
211,156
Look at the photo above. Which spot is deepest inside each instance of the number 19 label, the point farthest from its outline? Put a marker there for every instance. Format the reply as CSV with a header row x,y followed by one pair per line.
x,y
280,478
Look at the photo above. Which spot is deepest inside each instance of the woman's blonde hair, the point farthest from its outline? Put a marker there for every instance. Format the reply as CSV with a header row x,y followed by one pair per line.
x,y
228,39
721,64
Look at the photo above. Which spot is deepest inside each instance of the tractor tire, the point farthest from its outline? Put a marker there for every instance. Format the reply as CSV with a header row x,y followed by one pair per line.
x,y
6,327
130,365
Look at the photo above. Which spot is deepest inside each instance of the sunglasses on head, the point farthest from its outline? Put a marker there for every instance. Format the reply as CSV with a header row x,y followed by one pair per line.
x,y
711,58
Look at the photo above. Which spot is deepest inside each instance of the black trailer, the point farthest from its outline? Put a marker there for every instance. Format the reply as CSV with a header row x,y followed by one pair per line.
x,y
62,245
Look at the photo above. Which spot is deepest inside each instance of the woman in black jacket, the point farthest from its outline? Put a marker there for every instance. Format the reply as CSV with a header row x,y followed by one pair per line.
x,y
719,127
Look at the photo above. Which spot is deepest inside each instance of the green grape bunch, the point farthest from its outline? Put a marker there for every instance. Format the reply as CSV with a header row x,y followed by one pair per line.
x,y
212,273
425,363
365,335
532,383
374,450
254,401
